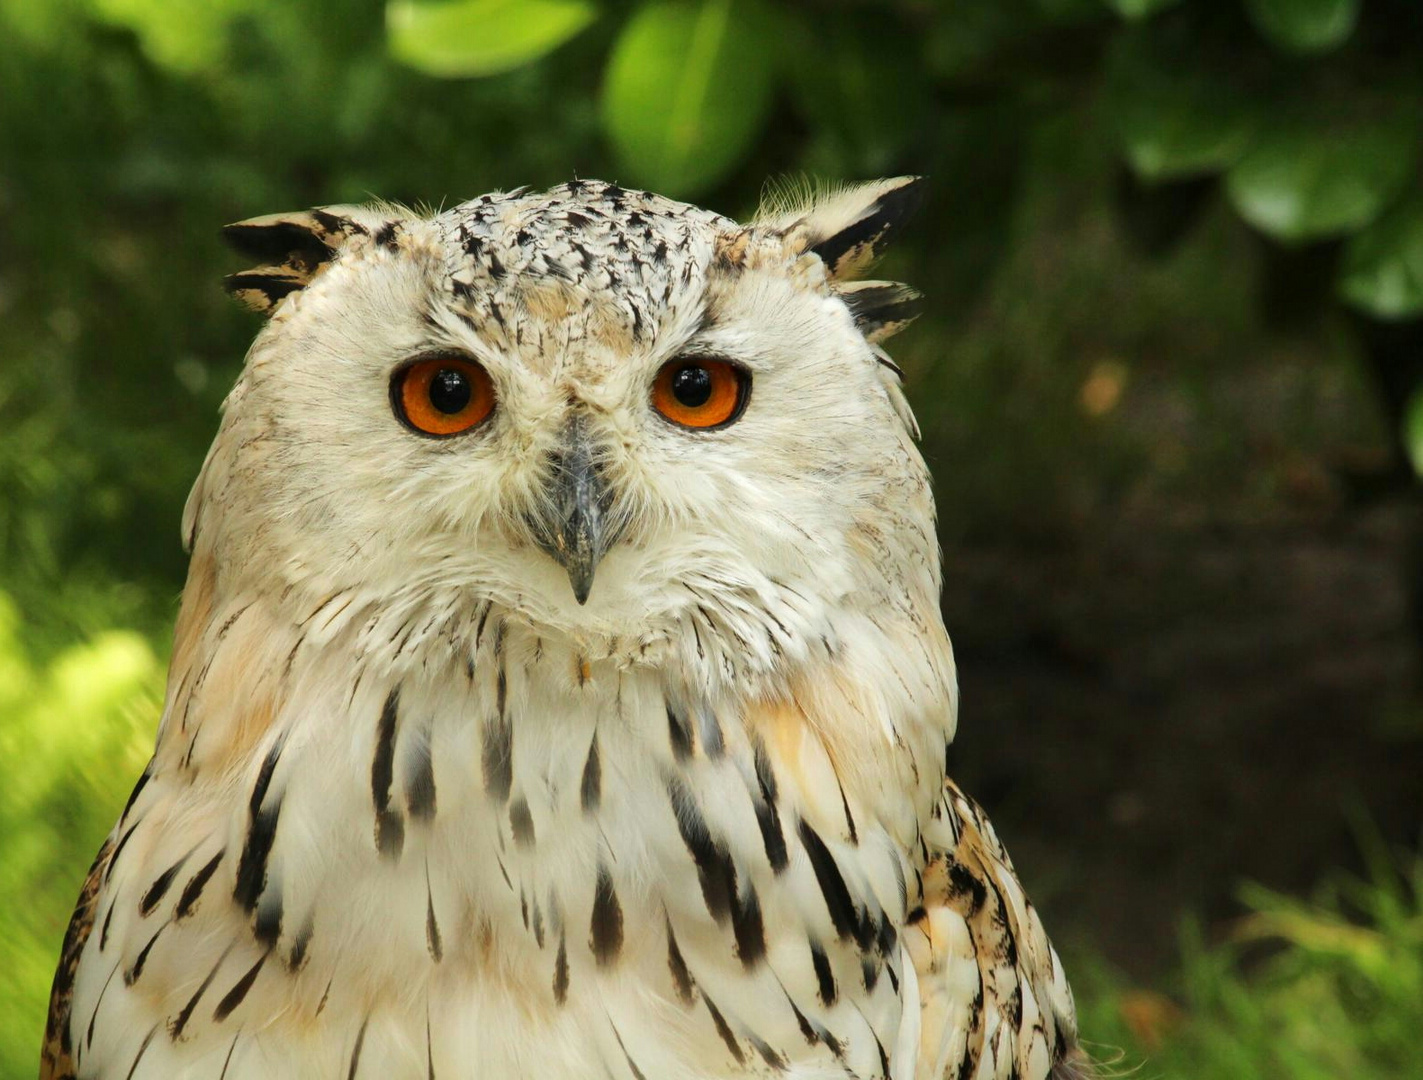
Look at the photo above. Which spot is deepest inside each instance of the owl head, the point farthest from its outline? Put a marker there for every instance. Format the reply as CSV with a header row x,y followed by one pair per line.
x,y
615,416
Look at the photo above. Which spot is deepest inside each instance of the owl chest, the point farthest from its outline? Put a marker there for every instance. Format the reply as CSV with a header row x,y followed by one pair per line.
x,y
477,831
513,878
610,868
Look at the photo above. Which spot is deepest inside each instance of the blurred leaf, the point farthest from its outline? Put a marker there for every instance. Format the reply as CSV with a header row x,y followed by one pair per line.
x,y
687,89
1139,9
460,38
978,34
1069,11
178,35
1304,182
39,24
1176,116
1305,26
1383,265
1302,924
1413,430
856,76
83,727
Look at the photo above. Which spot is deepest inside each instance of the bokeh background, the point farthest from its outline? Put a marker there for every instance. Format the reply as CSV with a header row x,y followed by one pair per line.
x,y
1168,381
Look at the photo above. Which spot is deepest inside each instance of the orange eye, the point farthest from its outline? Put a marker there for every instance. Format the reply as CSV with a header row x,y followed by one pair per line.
x,y
442,395
700,392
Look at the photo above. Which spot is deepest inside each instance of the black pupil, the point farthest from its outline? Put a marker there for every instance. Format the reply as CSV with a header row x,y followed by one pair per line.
x,y
692,386
449,390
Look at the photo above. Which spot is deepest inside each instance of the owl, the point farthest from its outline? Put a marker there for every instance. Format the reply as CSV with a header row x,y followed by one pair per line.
x,y
559,687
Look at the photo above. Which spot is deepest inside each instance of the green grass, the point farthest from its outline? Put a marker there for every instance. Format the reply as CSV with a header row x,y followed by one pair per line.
x,y
1329,988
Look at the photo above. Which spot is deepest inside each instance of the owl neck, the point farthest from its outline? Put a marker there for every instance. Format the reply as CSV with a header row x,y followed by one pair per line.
x,y
250,668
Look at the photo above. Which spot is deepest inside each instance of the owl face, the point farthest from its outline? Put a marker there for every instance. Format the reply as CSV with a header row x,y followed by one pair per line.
x,y
598,408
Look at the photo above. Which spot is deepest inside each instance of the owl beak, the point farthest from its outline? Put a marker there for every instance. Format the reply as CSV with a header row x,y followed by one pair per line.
x,y
574,533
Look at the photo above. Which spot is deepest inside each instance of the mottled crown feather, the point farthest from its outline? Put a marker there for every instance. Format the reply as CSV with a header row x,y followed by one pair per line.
x,y
597,236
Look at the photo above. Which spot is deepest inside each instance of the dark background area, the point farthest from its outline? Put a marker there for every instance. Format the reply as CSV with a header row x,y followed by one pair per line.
x,y
1167,380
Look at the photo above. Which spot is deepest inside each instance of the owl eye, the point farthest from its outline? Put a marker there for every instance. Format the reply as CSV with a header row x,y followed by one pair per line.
x,y
700,392
442,395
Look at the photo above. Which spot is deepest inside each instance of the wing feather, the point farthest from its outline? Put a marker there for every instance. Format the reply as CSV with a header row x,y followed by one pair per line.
x,y
56,1056
995,1000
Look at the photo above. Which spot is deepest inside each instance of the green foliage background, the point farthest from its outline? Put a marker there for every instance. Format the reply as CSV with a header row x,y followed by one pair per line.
x,y
1130,197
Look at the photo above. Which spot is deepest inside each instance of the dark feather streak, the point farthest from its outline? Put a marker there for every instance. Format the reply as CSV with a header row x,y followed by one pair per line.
x,y
356,1051
179,1022
715,868
607,923
591,789
432,927
235,996
749,929
632,1065
261,832
768,814
297,957
134,973
390,827
160,887
680,735
560,972
497,755
724,1030
193,890
824,977
521,822
832,883
681,976
142,1049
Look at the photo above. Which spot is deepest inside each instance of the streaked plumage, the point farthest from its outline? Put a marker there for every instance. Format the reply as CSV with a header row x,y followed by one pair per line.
x,y
416,811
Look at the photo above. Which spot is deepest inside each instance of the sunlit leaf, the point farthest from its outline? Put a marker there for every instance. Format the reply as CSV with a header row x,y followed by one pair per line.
x,y
1304,182
1140,9
177,34
1305,26
1383,265
1175,115
687,89
82,726
453,38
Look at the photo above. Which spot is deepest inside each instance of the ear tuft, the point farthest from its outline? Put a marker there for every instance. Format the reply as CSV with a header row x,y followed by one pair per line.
x,y
850,229
881,308
293,249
